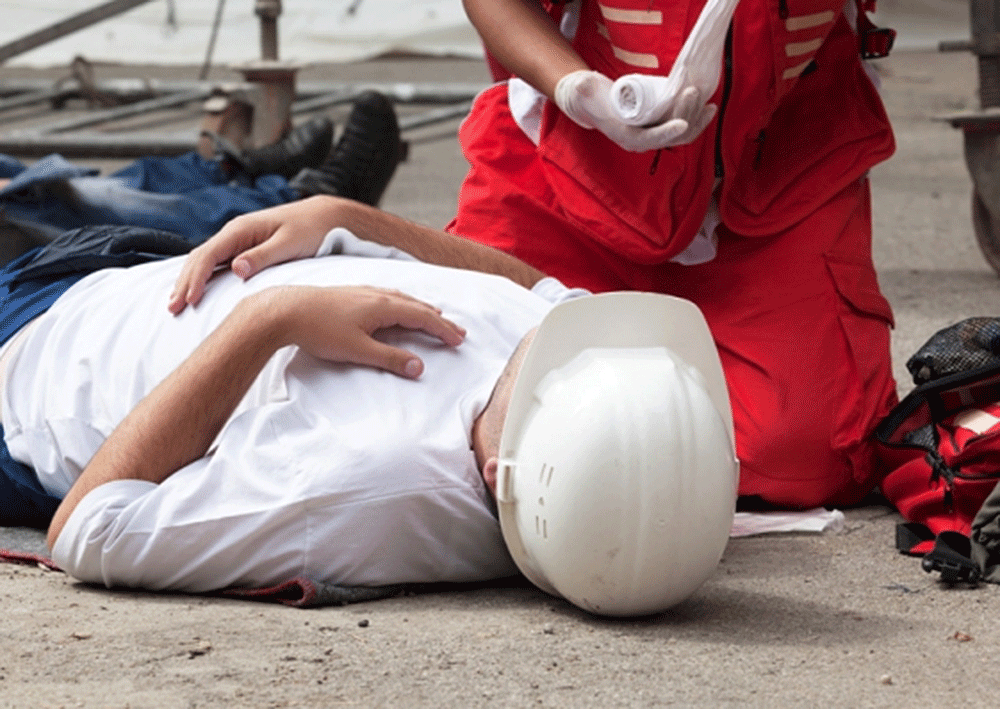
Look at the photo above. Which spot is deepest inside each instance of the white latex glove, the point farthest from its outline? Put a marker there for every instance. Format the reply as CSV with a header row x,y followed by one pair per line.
x,y
585,96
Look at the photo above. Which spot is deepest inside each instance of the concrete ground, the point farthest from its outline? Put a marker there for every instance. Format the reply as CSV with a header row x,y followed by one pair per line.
x,y
788,620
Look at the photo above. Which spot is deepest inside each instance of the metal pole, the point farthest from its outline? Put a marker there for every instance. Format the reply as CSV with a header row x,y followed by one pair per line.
x,y
438,115
101,145
29,99
67,26
268,11
114,114
985,22
216,23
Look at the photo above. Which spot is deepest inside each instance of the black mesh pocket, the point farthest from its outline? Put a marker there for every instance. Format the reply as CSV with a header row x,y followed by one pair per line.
x,y
972,344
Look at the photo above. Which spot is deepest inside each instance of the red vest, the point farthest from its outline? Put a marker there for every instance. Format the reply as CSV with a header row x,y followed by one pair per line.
x,y
800,121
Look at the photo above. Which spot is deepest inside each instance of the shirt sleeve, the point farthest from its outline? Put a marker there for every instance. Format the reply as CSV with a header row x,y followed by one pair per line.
x,y
341,242
195,532
553,290
93,528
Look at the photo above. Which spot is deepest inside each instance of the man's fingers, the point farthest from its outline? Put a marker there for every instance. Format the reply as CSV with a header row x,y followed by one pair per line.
x,y
190,284
232,241
395,360
413,314
269,253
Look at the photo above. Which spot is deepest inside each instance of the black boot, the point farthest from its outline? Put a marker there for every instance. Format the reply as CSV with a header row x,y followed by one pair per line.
x,y
305,146
364,159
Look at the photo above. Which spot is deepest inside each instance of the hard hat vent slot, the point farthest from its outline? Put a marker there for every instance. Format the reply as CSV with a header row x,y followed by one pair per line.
x,y
543,478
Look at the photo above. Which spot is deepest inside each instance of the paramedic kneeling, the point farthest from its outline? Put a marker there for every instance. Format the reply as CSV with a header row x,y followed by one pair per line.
x,y
244,447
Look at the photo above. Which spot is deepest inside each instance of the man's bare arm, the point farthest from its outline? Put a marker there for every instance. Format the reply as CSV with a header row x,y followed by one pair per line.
x,y
252,242
434,245
176,423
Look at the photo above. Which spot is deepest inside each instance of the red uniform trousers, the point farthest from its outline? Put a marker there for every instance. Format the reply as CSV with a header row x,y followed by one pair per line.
x,y
801,326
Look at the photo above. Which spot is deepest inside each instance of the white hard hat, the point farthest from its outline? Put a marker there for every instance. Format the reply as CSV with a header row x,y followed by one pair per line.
x,y
617,473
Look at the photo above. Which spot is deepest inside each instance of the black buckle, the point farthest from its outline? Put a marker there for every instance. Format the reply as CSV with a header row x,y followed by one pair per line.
x,y
951,558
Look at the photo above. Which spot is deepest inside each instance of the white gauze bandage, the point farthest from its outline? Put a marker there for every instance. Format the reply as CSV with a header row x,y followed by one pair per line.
x,y
642,100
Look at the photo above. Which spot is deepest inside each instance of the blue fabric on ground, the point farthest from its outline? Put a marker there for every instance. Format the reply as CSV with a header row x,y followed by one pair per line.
x,y
52,168
10,166
95,247
186,195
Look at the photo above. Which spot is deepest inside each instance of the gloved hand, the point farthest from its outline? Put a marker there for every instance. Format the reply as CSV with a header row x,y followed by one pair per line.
x,y
585,96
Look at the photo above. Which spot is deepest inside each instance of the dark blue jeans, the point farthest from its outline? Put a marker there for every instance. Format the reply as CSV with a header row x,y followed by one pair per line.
x,y
186,195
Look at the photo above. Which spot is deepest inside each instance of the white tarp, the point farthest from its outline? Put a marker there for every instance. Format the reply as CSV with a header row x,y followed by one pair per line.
x,y
177,31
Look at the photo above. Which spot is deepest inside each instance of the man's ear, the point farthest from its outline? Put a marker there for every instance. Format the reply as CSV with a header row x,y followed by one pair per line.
x,y
490,474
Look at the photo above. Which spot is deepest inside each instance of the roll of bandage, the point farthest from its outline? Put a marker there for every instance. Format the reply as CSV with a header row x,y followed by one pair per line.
x,y
643,100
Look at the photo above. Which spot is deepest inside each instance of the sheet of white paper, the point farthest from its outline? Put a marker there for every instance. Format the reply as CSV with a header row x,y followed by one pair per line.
x,y
818,520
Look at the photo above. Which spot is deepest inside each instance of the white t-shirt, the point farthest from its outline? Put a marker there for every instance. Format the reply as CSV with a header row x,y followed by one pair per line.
x,y
344,474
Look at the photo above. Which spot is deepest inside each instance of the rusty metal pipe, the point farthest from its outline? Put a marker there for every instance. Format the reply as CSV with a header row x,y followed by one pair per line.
x,y
268,12
67,26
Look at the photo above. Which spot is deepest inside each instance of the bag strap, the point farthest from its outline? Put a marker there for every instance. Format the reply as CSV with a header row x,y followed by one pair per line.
x,y
931,403
951,555
910,535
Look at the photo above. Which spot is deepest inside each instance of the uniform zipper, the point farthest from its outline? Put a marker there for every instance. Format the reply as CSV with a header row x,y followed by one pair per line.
x,y
727,80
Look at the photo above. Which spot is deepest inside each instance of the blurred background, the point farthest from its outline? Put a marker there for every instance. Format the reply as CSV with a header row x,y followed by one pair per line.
x,y
178,31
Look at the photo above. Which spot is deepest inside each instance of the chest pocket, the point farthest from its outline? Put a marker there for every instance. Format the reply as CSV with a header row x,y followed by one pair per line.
x,y
818,126
799,28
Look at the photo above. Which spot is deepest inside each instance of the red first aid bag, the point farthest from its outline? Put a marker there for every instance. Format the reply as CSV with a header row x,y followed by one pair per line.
x,y
942,443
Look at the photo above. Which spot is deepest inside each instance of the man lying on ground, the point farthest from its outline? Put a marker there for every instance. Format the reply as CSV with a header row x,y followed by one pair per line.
x,y
256,437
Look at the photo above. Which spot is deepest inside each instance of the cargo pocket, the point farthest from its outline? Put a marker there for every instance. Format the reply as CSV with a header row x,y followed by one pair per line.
x,y
868,390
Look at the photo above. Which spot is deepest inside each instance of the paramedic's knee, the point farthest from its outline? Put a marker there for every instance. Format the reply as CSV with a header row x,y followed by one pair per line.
x,y
805,410
798,467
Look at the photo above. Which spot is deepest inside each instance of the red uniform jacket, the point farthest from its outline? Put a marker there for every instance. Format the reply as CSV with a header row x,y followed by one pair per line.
x,y
798,121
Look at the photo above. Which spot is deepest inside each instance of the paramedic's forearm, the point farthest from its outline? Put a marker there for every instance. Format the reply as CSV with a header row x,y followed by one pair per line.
x,y
525,40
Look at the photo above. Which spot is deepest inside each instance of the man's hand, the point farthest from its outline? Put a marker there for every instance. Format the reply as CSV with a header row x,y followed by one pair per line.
x,y
255,241
338,324
252,242
587,98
